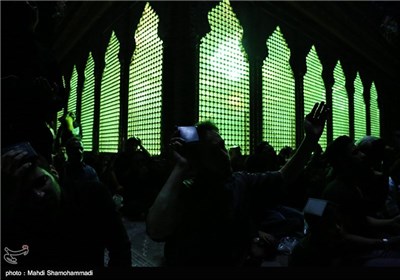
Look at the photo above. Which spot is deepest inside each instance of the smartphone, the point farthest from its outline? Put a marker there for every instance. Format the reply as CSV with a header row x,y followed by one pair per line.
x,y
32,156
315,206
188,133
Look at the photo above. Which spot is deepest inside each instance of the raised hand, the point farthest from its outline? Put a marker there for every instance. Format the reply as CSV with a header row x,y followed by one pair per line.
x,y
314,122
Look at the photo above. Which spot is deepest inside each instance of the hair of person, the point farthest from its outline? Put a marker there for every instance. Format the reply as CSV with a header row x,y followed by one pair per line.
x,y
336,150
204,126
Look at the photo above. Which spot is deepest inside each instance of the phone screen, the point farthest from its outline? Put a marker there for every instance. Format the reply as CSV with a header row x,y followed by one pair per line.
x,y
188,133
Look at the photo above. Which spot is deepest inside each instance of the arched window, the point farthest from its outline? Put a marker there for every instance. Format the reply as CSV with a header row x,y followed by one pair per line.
x,y
145,83
375,114
279,107
340,104
224,78
72,93
110,99
360,121
314,88
87,115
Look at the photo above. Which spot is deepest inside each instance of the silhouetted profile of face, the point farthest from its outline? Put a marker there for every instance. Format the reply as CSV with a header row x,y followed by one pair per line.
x,y
214,157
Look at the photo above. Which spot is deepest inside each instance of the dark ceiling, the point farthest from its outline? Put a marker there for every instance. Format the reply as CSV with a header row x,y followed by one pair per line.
x,y
370,29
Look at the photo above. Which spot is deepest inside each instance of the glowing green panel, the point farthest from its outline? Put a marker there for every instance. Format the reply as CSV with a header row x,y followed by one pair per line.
x,y
375,114
110,100
63,81
72,93
224,78
340,103
314,88
360,122
59,115
87,115
279,107
61,112
145,80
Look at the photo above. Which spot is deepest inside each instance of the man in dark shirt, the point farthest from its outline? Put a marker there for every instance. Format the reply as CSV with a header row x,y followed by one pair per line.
x,y
91,222
206,219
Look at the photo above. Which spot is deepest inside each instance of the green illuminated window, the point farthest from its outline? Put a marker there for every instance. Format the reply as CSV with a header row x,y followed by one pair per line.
x,y
314,88
375,115
360,122
110,100
59,115
340,104
87,115
224,78
145,83
279,120
61,112
72,92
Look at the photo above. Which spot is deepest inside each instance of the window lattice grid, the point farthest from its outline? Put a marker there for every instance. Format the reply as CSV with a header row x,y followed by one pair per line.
x,y
87,115
145,84
314,88
224,78
73,91
360,122
279,107
110,99
340,104
59,115
375,114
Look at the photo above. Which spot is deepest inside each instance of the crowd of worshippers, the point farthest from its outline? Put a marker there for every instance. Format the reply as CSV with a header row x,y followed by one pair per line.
x,y
210,205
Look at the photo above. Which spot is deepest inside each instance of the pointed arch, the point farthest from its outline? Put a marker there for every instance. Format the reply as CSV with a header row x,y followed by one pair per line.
x,y
279,107
145,83
340,103
224,95
314,88
110,99
87,114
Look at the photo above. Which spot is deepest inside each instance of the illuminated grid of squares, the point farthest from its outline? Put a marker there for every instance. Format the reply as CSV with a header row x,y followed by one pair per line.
x,y
314,88
72,92
144,105
61,112
110,99
224,78
360,122
375,114
279,107
59,115
340,103
87,115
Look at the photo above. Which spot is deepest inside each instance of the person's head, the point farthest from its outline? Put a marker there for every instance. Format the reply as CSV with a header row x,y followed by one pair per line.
x,y
132,144
235,152
373,148
74,150
286,152
342,154
33,200
212,157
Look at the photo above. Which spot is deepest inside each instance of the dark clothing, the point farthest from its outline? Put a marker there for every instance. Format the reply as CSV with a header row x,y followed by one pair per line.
x,y
76,174
350,205
91,221
216,227
91,225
